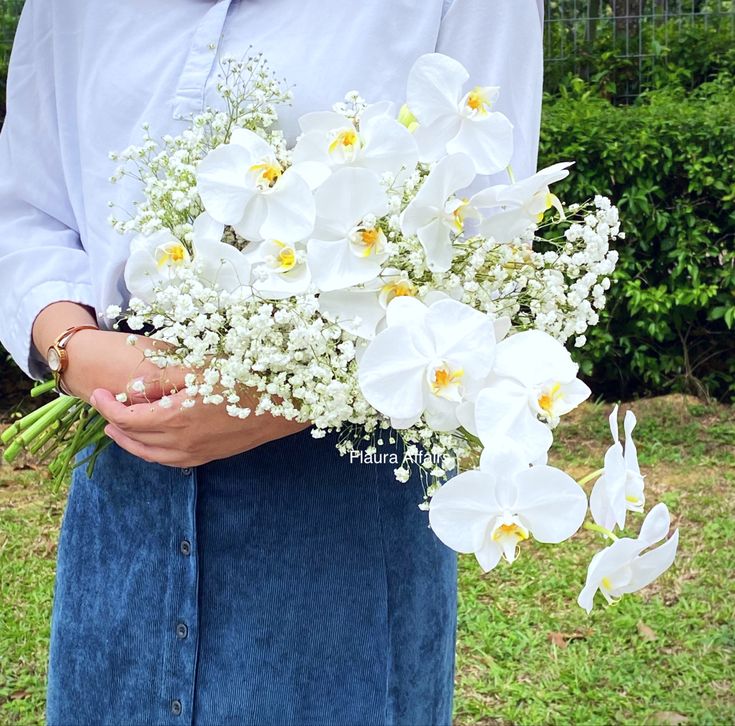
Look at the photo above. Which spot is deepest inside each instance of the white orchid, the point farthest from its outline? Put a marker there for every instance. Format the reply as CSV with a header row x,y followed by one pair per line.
x,y
621,568
348,246
533,383
361,310
451,121
620,488
435,215
491,510
520,204
244,185
152,261
377,141
279,268
426,361
219,263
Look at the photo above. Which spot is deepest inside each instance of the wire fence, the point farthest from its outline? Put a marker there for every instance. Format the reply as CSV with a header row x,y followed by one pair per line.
x,y
623,45
628,43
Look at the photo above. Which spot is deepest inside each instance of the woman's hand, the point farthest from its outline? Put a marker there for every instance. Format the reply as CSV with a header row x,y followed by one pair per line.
x,y
186,437
106,359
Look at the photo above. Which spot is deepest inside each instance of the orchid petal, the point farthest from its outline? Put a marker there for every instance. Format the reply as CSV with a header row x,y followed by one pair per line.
x,y
435,87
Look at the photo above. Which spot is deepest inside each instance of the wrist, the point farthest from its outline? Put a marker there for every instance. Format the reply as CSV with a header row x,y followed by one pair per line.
x,y
54,319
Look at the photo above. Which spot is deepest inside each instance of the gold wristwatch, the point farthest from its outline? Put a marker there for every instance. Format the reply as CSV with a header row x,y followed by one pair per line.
x,y
58,359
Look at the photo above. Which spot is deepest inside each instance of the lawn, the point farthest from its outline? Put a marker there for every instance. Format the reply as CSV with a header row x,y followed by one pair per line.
x,y
527,653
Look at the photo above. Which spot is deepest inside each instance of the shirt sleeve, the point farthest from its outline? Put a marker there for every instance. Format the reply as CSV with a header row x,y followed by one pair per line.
x,y
41,257
500,42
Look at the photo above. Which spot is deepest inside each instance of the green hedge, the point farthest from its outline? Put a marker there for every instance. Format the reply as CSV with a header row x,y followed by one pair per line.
x,y
669,162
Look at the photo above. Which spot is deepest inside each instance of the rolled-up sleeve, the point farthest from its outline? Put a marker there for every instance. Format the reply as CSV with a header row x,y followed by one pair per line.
x,y
41,257
500,42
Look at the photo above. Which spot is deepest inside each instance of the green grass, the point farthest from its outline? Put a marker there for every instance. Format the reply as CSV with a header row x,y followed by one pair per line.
x,y
527,653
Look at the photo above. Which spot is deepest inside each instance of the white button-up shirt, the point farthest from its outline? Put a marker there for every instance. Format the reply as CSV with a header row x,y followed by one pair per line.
x,y
86,74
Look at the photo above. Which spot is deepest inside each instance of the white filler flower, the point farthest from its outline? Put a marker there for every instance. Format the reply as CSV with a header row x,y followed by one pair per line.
x,y
621,568
620,489
243,184
451,121
426,360
491,510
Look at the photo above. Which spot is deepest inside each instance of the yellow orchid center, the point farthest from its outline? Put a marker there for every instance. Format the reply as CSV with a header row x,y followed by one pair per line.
x,y
286,257
173,253
371,239
459,213
632,499
478,101
607,583
548,399
510,530
406,117
507,534
347,139
446,381
401,288
267,173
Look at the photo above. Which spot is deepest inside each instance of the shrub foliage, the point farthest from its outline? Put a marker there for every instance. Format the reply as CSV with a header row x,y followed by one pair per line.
x,y
669,160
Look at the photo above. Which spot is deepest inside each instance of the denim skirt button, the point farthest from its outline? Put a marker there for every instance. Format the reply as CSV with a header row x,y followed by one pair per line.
x,y
176,707
181,631
185,547
186,471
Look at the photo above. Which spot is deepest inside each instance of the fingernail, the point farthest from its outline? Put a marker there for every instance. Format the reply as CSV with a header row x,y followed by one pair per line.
x,y
92,400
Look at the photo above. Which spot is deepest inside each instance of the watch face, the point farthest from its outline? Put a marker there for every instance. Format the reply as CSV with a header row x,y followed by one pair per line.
x,y
54,360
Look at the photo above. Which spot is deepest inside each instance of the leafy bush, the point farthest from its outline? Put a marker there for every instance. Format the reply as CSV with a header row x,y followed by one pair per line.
x,y
669,160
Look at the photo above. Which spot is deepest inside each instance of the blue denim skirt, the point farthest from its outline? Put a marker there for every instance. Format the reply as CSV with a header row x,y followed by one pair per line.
x,y
286,585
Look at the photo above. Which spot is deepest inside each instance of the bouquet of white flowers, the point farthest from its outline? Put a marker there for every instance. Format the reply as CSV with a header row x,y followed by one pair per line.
x,y
353,282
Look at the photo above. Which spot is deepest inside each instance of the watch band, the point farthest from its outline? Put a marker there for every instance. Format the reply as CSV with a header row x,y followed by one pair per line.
x,y
58,359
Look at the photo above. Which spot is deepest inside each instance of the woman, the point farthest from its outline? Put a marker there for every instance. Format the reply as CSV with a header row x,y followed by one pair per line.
x,y
215,571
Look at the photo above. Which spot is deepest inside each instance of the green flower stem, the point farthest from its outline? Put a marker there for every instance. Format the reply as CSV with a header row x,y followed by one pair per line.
x,y
42,388
11,432
602,530
54,412
590,477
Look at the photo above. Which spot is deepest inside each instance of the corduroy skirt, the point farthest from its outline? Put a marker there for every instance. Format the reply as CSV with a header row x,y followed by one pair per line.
x,y
286,585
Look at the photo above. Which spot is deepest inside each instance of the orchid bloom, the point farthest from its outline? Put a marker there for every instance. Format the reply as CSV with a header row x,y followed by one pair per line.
x,y
348,247
621,568
243,184
492,510
521,204
152,261
220,264
434,215
377,142
451,121
426,360
279,268
361,310
533,383
620,488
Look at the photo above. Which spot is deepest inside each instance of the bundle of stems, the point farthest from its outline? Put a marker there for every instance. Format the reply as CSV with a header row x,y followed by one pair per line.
x,y
56,433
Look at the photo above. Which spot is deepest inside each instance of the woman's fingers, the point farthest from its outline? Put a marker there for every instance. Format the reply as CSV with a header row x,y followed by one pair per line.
x,y
137,417
152,454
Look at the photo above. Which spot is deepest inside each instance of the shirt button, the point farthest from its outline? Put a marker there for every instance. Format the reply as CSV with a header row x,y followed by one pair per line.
x,y
186,471
185,547
182,631
176,707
